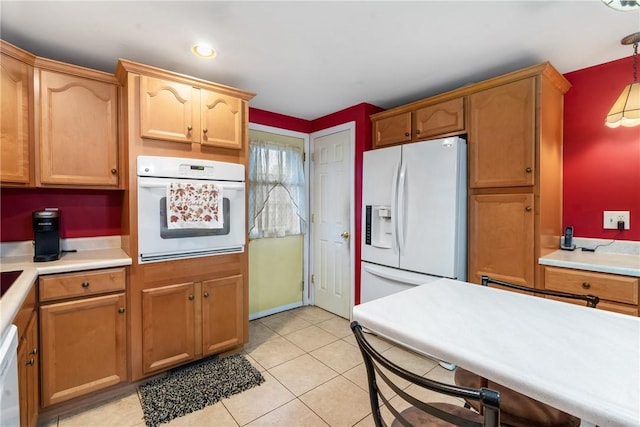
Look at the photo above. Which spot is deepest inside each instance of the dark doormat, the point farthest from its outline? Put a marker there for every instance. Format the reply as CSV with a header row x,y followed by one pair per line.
x,y
190,388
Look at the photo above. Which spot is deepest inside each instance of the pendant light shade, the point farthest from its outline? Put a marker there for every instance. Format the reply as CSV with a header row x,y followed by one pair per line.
x,y
626,109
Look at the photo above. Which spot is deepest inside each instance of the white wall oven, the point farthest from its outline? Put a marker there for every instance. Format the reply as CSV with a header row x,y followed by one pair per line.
x,y
189,208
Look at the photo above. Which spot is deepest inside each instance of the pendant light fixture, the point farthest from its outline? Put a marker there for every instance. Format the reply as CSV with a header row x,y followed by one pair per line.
x,y
626,110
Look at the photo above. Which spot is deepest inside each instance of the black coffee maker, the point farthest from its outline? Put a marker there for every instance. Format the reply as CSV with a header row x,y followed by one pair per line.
x,y
46,235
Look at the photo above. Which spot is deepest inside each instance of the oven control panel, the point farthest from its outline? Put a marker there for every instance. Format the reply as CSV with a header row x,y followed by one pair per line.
x,y
177,167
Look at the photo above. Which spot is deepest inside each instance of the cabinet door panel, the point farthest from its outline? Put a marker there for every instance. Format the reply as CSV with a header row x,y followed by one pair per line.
x,y
28,377
166,111
168,316
83,347
14,95
222,314
502,135
392,130
222,120
78,131
439,119
501,237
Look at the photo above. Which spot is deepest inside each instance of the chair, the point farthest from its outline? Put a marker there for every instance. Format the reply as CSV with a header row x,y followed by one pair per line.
x,y
422,413
518,410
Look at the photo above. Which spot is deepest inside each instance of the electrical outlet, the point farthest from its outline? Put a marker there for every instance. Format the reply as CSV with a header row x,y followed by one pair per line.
x,y
611,219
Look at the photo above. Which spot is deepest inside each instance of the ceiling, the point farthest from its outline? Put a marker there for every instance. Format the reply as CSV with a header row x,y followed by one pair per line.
x,y
308,59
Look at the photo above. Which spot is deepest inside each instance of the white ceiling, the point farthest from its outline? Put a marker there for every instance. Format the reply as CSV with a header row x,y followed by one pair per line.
x,y
308,59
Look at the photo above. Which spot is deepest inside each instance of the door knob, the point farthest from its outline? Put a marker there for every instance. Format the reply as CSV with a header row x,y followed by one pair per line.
x,y
345,234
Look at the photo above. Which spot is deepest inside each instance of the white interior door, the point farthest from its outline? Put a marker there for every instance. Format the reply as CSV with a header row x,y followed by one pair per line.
x,y
332,228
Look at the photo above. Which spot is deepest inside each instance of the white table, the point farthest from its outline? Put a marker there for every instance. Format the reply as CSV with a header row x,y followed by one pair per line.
x,y
580,360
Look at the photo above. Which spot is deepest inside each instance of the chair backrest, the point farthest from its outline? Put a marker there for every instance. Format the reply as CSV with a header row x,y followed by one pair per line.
x,y
379,367
591,300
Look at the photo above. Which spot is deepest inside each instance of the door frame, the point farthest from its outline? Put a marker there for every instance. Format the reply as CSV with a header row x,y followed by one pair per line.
x,y
350,126
305,241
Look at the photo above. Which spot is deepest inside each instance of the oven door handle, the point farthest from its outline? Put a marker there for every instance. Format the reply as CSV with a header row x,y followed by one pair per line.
x,y
152,183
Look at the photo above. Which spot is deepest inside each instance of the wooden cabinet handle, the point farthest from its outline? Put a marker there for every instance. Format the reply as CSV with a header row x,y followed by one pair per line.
x,y
191,297
189,128
114,171
206,294
30,362
34,351
85,284
205,130
407,134
529,170
528,208
586,285
121,310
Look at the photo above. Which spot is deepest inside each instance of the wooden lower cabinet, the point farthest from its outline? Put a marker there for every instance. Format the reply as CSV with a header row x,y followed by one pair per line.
x,y
83,346
184,321
616,292
501,243
28,377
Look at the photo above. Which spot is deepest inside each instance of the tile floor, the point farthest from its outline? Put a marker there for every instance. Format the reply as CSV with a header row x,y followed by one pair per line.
x,y
314,377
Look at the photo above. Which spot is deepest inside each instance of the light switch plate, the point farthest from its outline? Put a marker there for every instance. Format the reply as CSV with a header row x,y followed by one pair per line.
x,y
611,218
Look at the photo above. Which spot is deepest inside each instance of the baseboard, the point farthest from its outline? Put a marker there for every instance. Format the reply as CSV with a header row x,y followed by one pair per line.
x,y
275,310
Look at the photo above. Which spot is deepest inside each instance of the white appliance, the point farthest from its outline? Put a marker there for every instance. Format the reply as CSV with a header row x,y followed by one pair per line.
x,y
158,242
9,399
414,215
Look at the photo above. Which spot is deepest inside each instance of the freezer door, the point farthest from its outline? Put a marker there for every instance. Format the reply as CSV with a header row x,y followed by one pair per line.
x,y
379,177
378,281
433,211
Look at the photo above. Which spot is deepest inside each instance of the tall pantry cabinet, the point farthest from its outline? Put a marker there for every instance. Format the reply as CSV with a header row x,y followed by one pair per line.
x,y
515,174
181,310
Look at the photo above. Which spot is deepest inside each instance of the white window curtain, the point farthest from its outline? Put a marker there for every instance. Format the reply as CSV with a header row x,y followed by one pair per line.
x,y
277,200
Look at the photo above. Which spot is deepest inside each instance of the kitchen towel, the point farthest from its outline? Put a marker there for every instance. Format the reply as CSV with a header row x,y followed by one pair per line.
x,y
192,387
194,205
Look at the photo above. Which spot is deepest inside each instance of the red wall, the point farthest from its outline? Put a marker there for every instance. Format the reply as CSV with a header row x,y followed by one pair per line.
x,y
601,165
84,213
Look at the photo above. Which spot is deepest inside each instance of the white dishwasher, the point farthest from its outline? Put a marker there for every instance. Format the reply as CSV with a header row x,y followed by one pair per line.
x,y
9,400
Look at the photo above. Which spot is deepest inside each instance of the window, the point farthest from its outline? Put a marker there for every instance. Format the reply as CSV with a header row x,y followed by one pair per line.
x,y
277,205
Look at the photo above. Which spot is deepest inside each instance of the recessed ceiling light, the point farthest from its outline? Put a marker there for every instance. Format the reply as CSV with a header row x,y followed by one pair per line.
x,y
203,50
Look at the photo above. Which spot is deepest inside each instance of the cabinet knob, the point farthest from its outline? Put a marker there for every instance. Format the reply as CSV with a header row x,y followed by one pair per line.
x,y
528,208
114,171
407,134
30,362
529,170
586,285
85,284
417,131
191,297
34,351
189,128
206,294
121,310
205,130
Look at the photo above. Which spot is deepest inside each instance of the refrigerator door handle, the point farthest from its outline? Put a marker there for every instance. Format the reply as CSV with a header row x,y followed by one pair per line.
x,y
401,203
394,207
388,274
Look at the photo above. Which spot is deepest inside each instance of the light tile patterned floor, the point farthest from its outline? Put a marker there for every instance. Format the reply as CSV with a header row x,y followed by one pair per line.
x,y
314,377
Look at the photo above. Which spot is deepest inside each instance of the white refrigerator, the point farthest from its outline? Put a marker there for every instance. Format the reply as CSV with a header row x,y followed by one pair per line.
x,y
414,216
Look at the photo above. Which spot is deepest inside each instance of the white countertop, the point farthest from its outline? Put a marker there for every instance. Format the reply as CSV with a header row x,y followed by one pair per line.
x,y
89,259
581,360
615,263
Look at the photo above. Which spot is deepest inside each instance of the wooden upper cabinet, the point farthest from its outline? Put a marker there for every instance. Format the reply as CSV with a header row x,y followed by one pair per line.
x,y
222,120
392,130
15,96
502,135
167,110
439,119
178,112
78,130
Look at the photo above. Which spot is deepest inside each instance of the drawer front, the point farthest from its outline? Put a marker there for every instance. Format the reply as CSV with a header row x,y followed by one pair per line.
x,y
82,283
606,286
